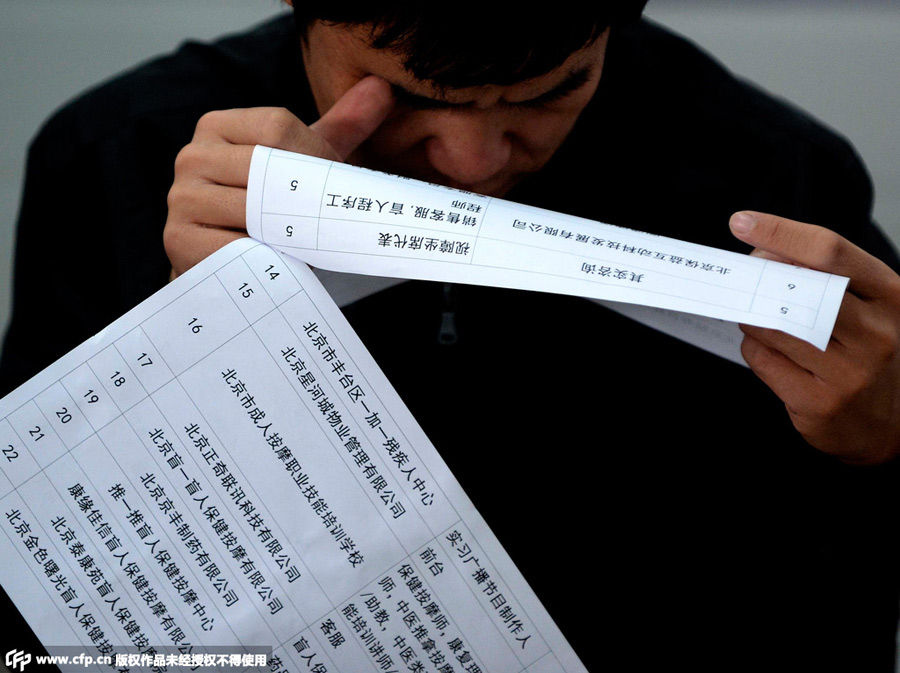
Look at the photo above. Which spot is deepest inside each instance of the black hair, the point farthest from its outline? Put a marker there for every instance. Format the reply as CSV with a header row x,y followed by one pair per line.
x,y
452,44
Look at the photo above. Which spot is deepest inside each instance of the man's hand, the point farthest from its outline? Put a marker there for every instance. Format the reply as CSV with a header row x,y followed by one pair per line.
x,y
845,401
208,199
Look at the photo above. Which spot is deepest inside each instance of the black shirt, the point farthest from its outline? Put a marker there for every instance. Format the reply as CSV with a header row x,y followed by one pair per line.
x,y
656,497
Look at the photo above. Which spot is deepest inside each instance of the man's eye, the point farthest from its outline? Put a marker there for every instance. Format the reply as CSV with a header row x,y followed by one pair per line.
x,y
573,83
542,101
415,102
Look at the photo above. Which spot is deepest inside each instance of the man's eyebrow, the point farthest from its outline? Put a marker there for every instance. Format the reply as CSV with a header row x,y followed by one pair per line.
x,y
576,79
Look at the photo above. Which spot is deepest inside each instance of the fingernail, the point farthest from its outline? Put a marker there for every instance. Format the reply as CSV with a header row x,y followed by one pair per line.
x,y
742,223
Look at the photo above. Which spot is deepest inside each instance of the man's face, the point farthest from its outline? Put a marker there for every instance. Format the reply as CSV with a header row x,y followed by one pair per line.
x,y
481,139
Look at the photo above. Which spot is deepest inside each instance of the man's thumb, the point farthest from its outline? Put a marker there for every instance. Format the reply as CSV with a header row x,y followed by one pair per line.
x,y
355,115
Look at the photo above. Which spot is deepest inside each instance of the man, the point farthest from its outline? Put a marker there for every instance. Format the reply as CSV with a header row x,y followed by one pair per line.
x,y
664,504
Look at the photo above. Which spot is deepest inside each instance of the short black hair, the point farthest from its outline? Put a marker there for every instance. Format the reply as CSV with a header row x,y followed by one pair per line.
x,y
453,45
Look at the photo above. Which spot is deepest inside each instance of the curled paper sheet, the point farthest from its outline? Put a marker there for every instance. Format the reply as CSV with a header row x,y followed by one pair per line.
x,y
348,219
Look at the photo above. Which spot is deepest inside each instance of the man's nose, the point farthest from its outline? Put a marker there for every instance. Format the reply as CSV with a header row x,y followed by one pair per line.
x,y
468,146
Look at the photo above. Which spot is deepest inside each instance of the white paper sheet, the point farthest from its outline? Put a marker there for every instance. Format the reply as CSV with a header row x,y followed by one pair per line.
x,y
719,337
343,218
225,466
